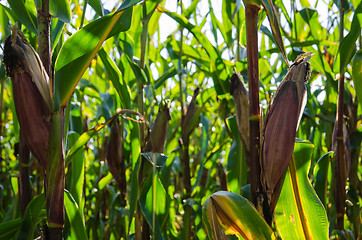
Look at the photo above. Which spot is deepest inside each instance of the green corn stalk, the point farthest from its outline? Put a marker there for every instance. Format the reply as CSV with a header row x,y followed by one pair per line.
x,y
280,127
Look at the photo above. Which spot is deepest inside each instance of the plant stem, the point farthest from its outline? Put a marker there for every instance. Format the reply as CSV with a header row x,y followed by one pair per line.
x,y
55,176
251,16
340,192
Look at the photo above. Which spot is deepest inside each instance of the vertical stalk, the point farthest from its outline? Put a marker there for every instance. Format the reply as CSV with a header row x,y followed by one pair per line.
x,y
55,176
251,16
340,192
141,226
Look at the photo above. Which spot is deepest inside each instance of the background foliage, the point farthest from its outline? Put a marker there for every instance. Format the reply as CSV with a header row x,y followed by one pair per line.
x,y
207,43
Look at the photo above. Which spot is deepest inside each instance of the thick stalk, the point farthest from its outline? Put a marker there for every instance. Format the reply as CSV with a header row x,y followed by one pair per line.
x,y
55,176
340,190
251,16
24,181
142,227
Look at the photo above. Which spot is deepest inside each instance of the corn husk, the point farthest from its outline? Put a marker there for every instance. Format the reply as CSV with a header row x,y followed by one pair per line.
x,y
281,124
241,102
31,93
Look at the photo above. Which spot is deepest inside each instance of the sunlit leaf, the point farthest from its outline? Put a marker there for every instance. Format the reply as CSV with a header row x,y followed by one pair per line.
x,y
357,73
25,16
75,217
236,215
299,213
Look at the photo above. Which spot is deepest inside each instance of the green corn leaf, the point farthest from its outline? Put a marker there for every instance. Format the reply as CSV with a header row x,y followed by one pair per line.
x,y
161,204
236,165
236,215
321,177
299,213
76,171
31,218
9,228
117,79
78,230
97,6
78,51
60,9
23,14
357,74
348,44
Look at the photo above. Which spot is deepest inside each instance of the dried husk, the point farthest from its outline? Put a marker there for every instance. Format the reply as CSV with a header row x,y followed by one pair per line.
x,y
241,102
159,130
281,124
31,93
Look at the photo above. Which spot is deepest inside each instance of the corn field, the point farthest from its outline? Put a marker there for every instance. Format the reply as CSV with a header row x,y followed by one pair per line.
x,y
151,119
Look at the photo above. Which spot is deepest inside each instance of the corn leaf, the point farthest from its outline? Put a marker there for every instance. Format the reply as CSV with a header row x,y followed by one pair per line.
x,y
78,51
9,228
348,44
299,213
236,215
357,74
97,6
115,75
236,165
60,9
75,217
160,205
23,14
31,218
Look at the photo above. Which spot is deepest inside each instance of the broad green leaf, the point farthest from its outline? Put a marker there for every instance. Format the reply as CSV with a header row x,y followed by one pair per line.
x,y
97,6
25,16
78,230
154,207
236,215
9,228
77,170
60,9
117,79
31,218
321,177
348,45
357,74
236,165
169,73
77,53
299,213
4,22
